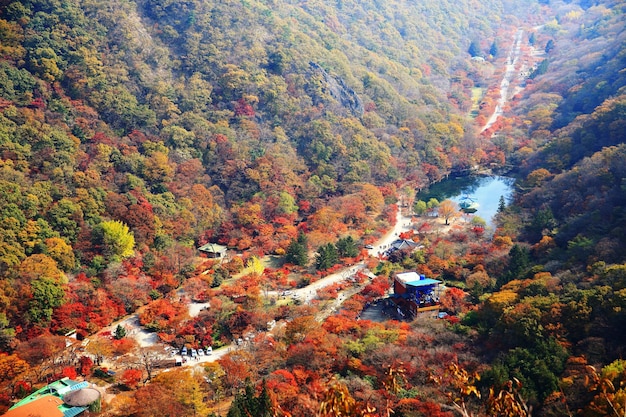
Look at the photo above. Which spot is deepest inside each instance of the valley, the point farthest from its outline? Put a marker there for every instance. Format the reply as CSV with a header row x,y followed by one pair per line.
x,y
270,179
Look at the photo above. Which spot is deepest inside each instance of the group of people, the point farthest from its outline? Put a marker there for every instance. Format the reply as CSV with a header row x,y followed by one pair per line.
x,y
428,298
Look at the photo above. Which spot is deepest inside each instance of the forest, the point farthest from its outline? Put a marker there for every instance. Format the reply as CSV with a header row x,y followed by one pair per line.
x,y
295,134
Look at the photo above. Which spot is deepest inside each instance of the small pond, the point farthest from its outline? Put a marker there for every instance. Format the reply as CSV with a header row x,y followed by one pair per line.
x,y
485,190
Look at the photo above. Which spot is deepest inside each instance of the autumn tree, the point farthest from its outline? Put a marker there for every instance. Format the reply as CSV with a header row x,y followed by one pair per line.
x,y
117,239
453,300
459,386
157,400
99,347
448,210
147,359
61,252
11,366
131,377
338,401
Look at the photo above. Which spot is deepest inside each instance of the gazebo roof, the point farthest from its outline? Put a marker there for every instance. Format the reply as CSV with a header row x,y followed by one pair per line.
x,y
404,244
213,248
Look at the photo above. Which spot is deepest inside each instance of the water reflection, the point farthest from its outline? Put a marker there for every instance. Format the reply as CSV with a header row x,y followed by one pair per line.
x,y
485,190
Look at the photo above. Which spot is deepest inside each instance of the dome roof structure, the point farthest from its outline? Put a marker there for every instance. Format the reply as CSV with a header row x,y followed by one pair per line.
x,y
81,397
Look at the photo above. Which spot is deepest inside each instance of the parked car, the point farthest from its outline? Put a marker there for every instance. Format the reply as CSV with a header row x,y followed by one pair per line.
x,y
194,353
183,351
209,350
369,247
200,352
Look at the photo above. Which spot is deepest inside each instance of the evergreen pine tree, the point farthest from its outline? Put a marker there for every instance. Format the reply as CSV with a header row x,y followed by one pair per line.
x,y
519,262
501,204
327,257
264,402
297,252
247,403
346,247
494,50
120,332
237,408
474,49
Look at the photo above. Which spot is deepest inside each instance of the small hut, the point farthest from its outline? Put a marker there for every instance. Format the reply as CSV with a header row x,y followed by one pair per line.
x,y
213,250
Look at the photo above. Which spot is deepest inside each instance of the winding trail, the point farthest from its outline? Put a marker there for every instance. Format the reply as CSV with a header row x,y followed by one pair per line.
x,y
146,339
509,73
309,292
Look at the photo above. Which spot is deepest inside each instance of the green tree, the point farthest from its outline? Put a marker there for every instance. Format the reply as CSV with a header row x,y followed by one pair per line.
x,y
7,334
297,252
286,203
537,368
474,48
501,204
327,256
494,49
478,221
519,262
47,294
420,208
66,217
433,203
120,332
346,247
117,238
580,247
542,68
247,403
543,223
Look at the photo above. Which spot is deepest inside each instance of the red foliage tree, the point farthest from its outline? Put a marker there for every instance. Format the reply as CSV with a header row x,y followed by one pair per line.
x,y
70,372
85,365
131,377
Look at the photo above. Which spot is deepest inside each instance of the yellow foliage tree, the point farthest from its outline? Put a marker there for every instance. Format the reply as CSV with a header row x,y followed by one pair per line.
x,y
448,210
118,240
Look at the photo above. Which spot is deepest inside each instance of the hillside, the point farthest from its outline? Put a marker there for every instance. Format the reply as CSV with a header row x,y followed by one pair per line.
x,y
227,122
133,132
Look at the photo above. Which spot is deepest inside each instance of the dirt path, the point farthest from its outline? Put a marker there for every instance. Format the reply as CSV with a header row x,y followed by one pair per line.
x,y
509,73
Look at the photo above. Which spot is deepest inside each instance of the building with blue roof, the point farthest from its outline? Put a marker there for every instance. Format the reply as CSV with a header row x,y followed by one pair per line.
x,y
415,294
